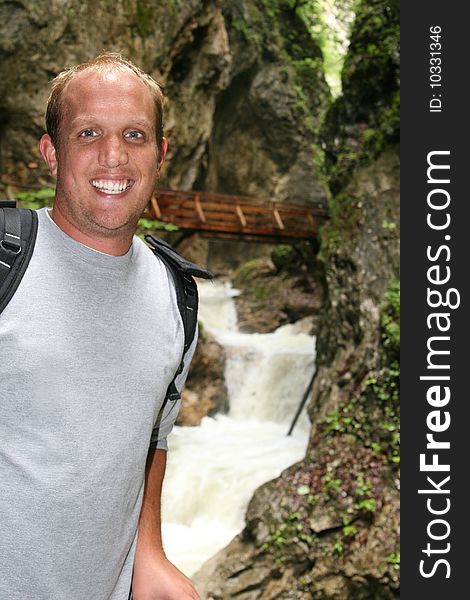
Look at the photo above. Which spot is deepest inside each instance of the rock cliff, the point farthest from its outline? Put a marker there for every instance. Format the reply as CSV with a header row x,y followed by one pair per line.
x,y
329,526
244,84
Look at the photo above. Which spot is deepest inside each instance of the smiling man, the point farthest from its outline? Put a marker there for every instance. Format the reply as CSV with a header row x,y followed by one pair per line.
x,y
90,343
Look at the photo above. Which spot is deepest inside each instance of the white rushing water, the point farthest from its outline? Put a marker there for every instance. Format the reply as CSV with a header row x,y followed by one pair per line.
x,y
214,469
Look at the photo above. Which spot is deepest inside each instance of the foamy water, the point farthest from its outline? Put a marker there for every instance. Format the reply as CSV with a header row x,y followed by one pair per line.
x,y
214,469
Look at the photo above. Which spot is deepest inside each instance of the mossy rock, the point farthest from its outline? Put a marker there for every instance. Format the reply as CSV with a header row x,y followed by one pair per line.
x,y
286,258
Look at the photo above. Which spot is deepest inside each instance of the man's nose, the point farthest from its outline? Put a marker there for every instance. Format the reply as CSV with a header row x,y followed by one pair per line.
x,y
113,152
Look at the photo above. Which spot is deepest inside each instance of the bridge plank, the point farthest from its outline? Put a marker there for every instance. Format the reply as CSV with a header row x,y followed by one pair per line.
x,y
235,217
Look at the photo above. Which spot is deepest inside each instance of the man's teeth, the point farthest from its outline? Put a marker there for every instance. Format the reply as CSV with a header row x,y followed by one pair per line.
x,y
110,187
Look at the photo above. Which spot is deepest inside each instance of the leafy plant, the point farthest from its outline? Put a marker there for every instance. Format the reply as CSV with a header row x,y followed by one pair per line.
x,y
338,548
394,559
154,225
36,198
367,505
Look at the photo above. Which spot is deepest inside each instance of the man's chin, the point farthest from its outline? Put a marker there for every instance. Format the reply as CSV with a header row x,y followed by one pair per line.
x,y
113,228
114,219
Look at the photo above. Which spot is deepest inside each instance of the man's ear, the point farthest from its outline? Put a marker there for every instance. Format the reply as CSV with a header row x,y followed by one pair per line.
x,y
47,150
163,150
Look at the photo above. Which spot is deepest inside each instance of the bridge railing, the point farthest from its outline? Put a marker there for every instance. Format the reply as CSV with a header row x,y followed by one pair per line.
x,y
235,216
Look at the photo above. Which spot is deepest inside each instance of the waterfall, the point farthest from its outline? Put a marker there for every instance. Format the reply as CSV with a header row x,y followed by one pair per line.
x,y
214,469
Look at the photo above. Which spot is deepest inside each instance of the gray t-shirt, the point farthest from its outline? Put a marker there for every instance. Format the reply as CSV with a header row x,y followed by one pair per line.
x,y
88,346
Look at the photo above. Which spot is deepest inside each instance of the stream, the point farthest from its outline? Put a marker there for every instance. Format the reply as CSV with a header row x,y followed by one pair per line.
x,y
214,469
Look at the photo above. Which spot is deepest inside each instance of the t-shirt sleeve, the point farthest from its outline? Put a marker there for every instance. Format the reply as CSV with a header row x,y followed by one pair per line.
x,y
170,409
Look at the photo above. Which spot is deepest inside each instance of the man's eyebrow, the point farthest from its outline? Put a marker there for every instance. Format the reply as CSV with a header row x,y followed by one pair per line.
x,y
91,121
83,121
140,123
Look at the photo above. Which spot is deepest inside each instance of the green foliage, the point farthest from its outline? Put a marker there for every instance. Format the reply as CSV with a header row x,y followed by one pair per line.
x,y
394,559
294,531
154,225
331,487
365,119
338,548
387,125
338,422
391,321
329,23
36,198
363,487
374,414
367,505
349,530
276,27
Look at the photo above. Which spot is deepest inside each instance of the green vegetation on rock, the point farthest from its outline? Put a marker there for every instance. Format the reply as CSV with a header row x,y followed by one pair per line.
x,y
364,120
373,415
35,199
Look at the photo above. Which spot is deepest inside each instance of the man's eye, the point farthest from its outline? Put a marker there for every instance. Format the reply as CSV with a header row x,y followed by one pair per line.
x,y
134,135
88,133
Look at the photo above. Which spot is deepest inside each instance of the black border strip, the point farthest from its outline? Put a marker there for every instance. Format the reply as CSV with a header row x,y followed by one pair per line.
x,y
423,132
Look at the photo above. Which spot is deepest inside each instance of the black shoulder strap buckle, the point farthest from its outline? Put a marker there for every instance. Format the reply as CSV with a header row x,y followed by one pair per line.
x,y
18,229
10,237
183,272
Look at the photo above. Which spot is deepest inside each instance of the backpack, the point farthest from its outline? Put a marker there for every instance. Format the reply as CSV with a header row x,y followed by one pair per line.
x,y
18,230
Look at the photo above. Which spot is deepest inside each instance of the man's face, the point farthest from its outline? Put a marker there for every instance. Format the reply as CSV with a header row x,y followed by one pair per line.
x,y
107,158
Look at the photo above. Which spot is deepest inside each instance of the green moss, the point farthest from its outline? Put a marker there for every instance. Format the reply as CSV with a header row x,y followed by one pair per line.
x,y
374,415
365,120
343,225
247,271
143,18
248,31
286,258
391,320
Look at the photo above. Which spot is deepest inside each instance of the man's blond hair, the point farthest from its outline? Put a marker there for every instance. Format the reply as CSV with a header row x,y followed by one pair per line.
x,y
106,61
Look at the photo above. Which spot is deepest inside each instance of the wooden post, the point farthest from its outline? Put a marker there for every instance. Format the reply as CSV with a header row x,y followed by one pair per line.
x,y
200,212
278,219
156,208
240,214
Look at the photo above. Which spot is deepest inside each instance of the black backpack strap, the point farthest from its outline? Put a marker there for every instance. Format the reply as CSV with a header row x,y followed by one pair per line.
x,y
182,271
18,230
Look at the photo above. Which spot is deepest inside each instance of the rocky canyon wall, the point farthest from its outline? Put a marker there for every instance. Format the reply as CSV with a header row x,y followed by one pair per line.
x,y
328,528
243,80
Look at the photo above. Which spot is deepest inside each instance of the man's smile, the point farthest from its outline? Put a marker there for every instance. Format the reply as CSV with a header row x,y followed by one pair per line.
x,y
112,186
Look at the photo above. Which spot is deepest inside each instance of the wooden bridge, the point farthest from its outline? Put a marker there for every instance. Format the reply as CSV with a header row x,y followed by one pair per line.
x,y
226,216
